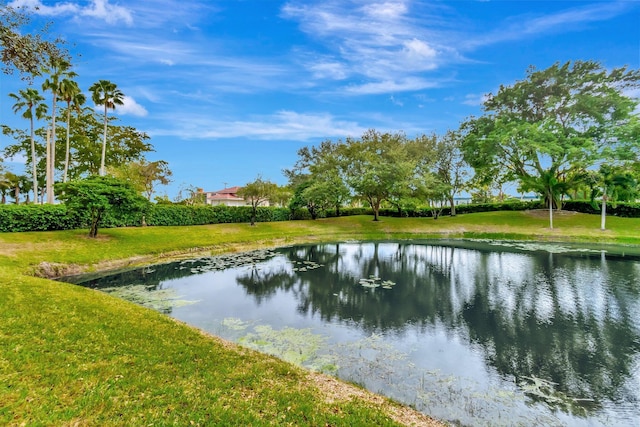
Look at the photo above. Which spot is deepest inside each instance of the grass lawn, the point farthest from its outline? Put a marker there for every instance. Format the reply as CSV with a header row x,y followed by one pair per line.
x,y
74,356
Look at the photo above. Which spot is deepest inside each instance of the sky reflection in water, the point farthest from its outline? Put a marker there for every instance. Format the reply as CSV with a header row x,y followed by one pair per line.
x,y
475,332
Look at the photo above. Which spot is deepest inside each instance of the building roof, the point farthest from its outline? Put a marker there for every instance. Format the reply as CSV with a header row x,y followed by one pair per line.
x,y
230,190
225,194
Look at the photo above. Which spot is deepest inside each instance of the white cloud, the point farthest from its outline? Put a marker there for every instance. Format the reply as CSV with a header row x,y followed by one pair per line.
x,y
110,13
131,107
387,43
41,9
395,101
475,99
519,27
386,10
282,125
100,9
388,86
328,70
419,49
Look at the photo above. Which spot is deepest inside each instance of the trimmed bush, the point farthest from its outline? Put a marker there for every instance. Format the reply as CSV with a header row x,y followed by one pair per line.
x,y
37,218
15,218
621,209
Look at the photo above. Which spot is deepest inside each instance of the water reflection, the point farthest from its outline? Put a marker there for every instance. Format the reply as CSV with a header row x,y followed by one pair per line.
x,y
564,327
568,318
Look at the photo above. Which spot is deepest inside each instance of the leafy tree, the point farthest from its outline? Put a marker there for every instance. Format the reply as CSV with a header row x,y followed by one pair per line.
x,y
21,51
543,131
318,171
125,144
191,196
73,96
57,69
315,196
26,185
611,184
281,196
10,183
106,93
257,193
378,167
30,101
97,195
450,167
436,192
143,175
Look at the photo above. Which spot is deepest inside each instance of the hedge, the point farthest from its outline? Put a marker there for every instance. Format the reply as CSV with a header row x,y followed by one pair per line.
x,y
37,218
14,218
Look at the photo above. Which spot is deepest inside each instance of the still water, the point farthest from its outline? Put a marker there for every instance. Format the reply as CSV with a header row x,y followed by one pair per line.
x,y
472,332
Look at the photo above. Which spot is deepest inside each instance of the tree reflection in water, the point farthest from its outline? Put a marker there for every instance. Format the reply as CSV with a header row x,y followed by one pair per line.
x,y
571,319
565,327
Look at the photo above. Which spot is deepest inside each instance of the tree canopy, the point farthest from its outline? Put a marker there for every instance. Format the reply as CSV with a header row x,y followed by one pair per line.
x,y
96,195
257,193
547,130
23,51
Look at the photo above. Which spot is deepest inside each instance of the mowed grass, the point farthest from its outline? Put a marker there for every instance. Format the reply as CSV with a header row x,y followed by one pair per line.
x,y
73,356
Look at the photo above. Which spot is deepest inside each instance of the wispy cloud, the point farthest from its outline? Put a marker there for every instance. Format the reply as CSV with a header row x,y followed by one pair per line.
x,y
388,42
99,9
475,99
282,125
407,84
519,27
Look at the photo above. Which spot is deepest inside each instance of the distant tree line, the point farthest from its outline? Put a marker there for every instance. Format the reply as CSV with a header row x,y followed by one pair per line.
x,y
570,131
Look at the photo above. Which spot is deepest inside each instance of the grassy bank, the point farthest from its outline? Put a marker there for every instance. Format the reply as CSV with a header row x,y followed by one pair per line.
x,y
72,356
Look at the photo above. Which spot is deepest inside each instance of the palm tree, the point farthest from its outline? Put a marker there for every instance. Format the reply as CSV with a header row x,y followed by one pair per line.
x,y
58,69
106,93
73,96
28,99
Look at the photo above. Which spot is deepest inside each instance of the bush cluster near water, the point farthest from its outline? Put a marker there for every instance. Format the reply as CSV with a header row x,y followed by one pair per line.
x,y
15,218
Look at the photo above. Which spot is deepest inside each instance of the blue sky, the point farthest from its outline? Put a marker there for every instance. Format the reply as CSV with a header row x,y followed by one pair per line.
x,y
231,89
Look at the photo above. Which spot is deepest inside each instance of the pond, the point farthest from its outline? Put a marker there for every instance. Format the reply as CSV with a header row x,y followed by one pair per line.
x,y
472,332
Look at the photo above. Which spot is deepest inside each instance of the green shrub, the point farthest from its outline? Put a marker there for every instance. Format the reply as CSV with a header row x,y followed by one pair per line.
x,y
621,209
15,218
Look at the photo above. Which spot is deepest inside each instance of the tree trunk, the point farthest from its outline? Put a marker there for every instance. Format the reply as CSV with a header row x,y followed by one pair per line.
x,y
66,155
49,179
551,212
375,205
254,214
34,171
103,172
95,220
52,154
453,206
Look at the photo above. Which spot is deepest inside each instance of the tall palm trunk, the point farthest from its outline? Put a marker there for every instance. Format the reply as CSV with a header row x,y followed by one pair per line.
x,y
34,171
49,181
52,153
66,157
103,172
